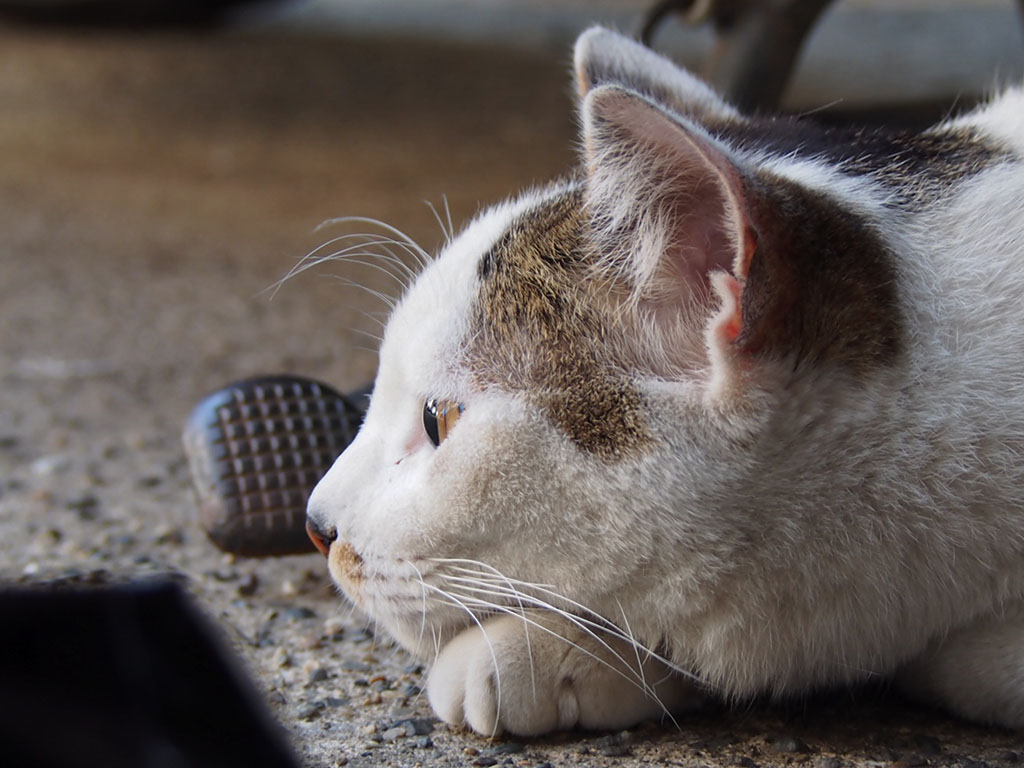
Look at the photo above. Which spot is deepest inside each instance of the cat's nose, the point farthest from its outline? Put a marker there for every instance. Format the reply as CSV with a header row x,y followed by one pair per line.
x,y
320,536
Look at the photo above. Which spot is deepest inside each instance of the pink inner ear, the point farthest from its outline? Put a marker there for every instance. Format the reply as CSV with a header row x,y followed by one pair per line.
x,y
703,237
702,194
679,182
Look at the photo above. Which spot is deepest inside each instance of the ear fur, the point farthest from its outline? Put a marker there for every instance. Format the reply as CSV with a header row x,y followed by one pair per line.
x,y
603,57
679,220
669,214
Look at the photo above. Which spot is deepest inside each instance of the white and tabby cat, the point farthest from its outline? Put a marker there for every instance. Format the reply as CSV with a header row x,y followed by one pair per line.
x,y
737,409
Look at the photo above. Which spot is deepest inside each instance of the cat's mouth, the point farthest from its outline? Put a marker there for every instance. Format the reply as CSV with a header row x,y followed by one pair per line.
x,y
345,565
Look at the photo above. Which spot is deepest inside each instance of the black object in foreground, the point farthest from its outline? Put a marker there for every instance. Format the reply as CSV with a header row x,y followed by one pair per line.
x,y
124,677
130,14
257,448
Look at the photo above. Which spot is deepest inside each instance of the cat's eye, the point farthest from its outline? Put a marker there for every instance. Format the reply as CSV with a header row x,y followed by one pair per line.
x,y
439,416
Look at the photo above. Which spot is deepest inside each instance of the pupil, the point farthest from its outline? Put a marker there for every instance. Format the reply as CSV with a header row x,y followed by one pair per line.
x,y
430,422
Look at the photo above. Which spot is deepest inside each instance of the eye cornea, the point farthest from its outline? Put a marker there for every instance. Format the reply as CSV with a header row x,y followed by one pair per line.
x,y
439,416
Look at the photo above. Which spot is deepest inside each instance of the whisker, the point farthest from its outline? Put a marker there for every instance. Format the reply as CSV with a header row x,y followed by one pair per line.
x,y
423,609
311,259
580,623
388,300
373,318
633,642
448,216
601,624
403,240
529,646
353,259
437,218
639,683
494,658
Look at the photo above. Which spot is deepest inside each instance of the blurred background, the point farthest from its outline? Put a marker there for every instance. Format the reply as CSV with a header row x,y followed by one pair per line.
x,y
163,166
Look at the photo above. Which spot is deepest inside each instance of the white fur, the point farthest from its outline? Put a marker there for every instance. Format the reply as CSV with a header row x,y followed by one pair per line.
x,y
768,540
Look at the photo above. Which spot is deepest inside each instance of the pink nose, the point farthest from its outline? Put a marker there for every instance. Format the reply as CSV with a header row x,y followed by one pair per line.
x,y
321,539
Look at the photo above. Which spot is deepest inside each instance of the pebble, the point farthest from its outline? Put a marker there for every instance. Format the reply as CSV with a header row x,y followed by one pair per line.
x,y
398,732
334,702
718,743
789,745
42,495
351,665
470,751
827,762
281,659
248,585
485,761
615,750
368,730
166,535
928,745
308,642
299,613
511,748
334,627
310,711
47,466
424,742
423,726
742,761
85,504
362,635
316,675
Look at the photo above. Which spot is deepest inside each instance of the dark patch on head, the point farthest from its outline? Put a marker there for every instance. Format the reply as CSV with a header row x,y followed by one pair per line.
x,y
541,331
915,167
822,286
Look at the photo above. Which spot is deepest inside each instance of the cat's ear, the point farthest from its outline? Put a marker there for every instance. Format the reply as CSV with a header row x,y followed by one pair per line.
x,y
670,213
603,57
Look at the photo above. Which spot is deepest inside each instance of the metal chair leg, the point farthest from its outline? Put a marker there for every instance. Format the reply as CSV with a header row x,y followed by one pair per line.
x,y
758,43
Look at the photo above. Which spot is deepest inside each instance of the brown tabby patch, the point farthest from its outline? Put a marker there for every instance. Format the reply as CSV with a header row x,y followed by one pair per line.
x,y
540,331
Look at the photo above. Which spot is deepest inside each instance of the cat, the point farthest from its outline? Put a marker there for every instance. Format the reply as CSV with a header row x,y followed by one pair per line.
x,y
735,409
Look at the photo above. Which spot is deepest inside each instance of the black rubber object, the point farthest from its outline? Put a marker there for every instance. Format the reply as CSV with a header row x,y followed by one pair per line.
x,y
257,448
125,676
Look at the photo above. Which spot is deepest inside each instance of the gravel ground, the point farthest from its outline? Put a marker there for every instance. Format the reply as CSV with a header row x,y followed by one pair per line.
x,y
151,189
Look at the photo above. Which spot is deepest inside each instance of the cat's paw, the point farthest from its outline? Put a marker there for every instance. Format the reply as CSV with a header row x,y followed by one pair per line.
x,y
544,674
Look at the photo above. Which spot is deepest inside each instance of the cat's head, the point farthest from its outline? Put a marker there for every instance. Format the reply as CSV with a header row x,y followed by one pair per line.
x,y
574,396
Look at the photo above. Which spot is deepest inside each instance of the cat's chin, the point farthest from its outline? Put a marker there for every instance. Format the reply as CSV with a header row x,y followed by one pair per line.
x,y
419,638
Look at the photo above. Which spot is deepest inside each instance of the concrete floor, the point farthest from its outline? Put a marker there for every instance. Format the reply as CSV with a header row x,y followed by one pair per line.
x,y
151,189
